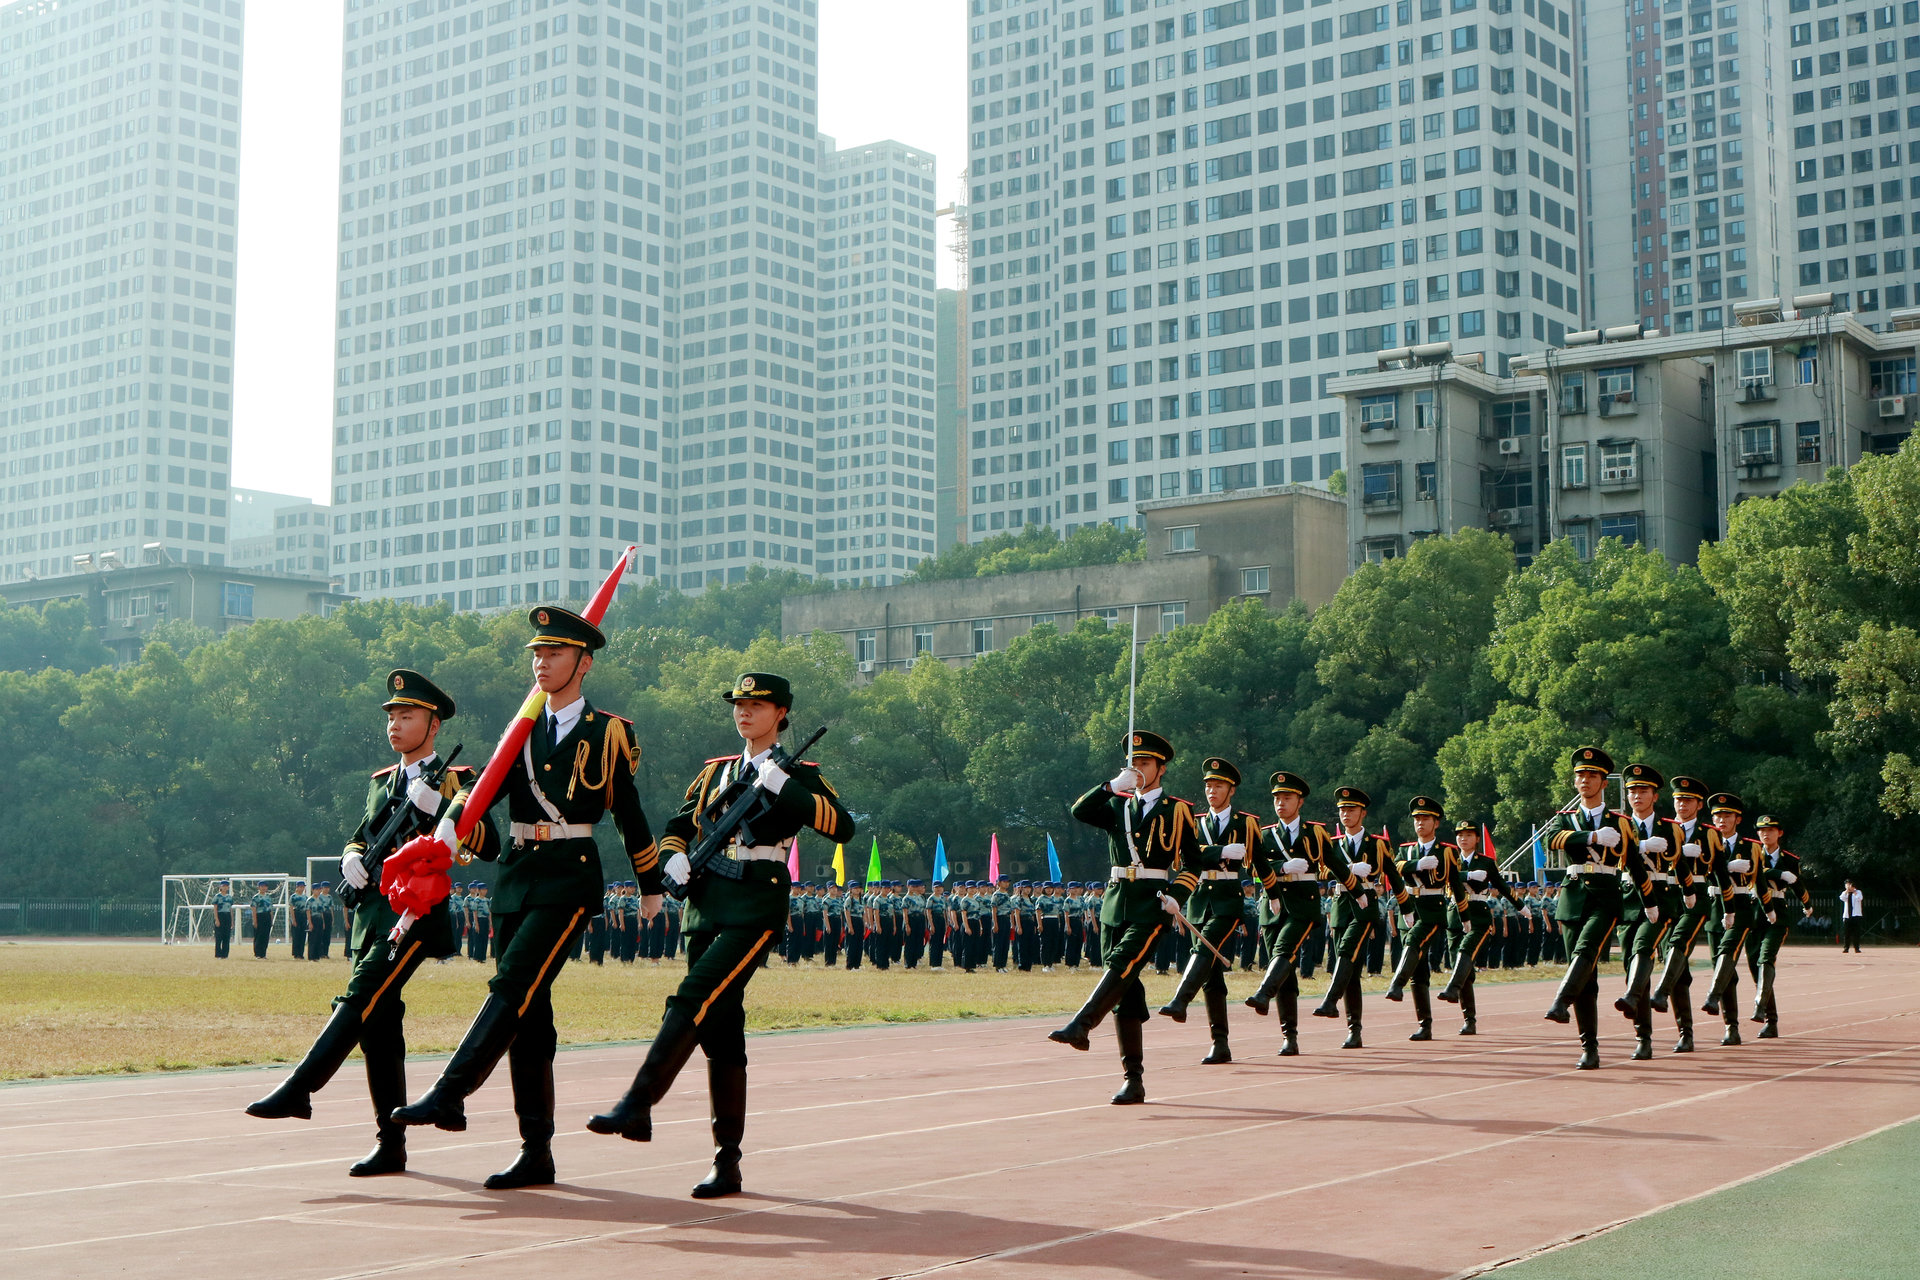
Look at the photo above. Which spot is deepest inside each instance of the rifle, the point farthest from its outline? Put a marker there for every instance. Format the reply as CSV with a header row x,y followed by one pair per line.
x,y
726,819
393,823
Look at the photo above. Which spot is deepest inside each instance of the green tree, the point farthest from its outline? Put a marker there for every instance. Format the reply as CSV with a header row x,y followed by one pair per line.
x,y
1033,547
903,761
733,614
60,635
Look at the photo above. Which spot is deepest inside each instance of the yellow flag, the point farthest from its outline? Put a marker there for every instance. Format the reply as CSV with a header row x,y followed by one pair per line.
x,y
840,864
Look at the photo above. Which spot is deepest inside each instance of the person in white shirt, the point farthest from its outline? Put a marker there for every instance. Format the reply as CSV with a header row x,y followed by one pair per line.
x,y
1852,909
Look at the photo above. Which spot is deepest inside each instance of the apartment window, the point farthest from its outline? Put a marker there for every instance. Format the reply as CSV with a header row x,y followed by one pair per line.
x,y
1806,442
1624,527
1378,413
922,640
1172,615
1806,369
1573,393
1425,481
1759,443
1253,582
863,647
983,636
1181,539
1374,550
1380,486
1573,466
1756,366
1581,536
236,600
1618,462
1615,384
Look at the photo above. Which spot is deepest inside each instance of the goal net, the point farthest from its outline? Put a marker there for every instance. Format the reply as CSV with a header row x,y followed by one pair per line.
x,y
186,905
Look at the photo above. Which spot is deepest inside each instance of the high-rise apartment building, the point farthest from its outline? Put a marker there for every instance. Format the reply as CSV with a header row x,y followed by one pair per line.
x,y
1185,220
582,302
878,334
119,151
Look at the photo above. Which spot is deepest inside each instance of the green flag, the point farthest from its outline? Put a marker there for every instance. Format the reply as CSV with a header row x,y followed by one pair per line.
x,y
873,862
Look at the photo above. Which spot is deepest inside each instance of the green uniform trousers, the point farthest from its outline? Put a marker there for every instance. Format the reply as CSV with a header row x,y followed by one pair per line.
x,y
1125,949
720,962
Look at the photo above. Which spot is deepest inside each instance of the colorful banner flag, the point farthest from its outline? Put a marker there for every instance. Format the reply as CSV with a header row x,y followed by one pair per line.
x,y
873,862
1486,844
840,864
993,860
1053,859
939,860
793,859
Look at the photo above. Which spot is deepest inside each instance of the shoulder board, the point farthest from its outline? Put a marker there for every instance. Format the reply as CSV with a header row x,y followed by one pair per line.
x,y
1177,800
721,759
613,716
381,773
1448,844
461,770
1312,823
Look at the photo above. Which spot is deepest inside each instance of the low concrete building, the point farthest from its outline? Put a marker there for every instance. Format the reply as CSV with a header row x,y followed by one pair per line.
x,y
128,602
1275,545
1645,437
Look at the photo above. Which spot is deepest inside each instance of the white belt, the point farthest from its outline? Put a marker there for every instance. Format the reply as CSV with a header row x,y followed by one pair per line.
x,y
1365,886
541,831
1215,875
1426,893
1658,877
1135,873
1744,891
1591,869
1479,897
1305,877
758,853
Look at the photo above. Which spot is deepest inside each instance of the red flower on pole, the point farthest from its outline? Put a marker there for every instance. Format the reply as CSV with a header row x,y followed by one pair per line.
x,y
414,879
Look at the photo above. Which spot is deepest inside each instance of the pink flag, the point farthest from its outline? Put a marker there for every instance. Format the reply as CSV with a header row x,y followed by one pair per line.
x,y
993,860
793,859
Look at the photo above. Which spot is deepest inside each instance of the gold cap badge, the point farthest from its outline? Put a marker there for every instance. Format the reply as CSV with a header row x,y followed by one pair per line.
x,y
746,683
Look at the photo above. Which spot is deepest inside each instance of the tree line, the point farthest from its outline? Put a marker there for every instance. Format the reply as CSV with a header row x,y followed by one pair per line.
x,y
1786,667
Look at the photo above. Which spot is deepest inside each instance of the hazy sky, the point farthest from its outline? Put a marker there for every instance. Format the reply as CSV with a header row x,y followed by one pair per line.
x,y
888,69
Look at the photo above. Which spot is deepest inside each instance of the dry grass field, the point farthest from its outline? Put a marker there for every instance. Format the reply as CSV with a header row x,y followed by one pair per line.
x,y
95,1008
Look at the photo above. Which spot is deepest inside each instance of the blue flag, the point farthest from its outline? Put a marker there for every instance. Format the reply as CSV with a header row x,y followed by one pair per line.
x,y
1053,860
939,859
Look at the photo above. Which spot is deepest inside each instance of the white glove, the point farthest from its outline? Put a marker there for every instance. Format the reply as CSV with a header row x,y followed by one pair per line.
x,y
1691,900
1167,904
424,797
1787,877
1360,901
1606,838
1726,921
1360,868
1232,852
678,869
1691,849
1125,782
1740,866
1653,914
353,871
446,834
1293,866
1654,844
1773,917
1478,877
772,778
1427,863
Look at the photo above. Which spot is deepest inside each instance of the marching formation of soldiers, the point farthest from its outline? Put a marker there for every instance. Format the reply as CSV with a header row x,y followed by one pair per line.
x,y
1202,890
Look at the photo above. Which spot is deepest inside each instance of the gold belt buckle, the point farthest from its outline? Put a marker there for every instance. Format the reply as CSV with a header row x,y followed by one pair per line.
x,y
542,832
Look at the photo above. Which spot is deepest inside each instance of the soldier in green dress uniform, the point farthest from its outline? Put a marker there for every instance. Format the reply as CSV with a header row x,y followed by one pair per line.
x,y
1599,843
1289,859
1354,860
576,767
731,924
1785,900
222,919
1226,835
1738,877
1481,884
1430,870
1152,844
1662,844
369,1014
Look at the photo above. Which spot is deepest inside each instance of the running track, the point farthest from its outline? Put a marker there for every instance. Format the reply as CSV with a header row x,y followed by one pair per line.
x,y
978,1150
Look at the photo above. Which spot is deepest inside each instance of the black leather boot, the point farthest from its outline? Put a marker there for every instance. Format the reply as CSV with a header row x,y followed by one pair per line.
x,y
1633,1002
1353,1016
1670,974
1217,1026
531,1069
1133,1058
727,1096
1683,1014
1763,992
1289,998
1403,972
1423,1012
1586,1012
1199,965
293,1100
1344,975
632,1116
1106,994
385,1049
1469,1009
444,1106
1461,977
1270,983
1570,983
1726,976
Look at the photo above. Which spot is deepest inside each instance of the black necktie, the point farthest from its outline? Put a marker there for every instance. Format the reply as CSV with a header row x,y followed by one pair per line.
x,y
553,729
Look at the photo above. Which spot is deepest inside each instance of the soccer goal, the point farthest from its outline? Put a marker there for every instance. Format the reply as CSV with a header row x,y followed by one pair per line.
x,y
186,905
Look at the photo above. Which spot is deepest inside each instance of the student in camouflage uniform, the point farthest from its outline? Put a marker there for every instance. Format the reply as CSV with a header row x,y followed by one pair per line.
x,y
1152,843
260,913
222,900
853,919
913,935
320,921
297,919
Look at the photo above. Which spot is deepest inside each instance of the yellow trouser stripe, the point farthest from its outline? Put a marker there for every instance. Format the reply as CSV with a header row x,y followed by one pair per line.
x,y
397,971
746,962
1145,951
566,936
1361,941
